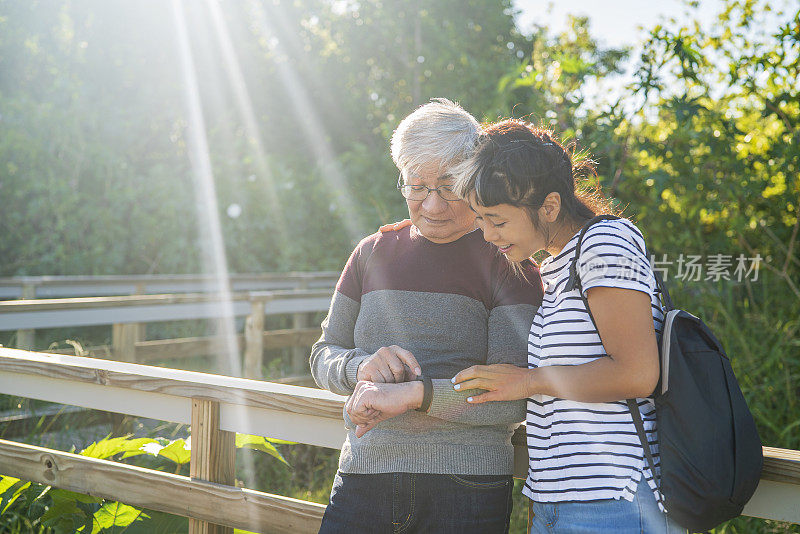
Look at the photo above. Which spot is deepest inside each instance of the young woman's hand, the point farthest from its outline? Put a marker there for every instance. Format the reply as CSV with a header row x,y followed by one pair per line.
x,y
502,381
629,369
373,402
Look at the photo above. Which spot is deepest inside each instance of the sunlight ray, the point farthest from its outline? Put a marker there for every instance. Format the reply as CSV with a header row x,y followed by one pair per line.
x,y
214,258
304,109
244,106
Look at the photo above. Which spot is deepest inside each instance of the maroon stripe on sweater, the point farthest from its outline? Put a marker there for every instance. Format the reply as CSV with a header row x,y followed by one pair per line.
x,y
404,260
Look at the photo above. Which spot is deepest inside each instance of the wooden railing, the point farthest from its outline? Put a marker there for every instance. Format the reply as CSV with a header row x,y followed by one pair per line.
x,y
31,287
219,405
90,311
128,314
222,405
50,287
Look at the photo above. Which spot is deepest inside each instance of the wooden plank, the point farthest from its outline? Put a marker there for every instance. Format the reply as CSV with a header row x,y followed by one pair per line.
x,y
324,430
113,301
188,347
106,285
174,382
51,313
213,457
278,339
98,351
97,396
327,431
297,380
254,341
8,306
123,341
775,500
297,302
781,465
174,494
26,337
300,353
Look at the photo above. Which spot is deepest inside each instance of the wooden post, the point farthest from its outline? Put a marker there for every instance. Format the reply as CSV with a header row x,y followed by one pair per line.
x,y
123,341
213,456
123,349
254,340
300,353
141,335
26,337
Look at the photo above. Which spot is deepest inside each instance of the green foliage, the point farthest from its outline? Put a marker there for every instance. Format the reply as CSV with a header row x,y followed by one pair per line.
x,y
114,514
59,511
6,484
260,443
177,451
108,447
701,149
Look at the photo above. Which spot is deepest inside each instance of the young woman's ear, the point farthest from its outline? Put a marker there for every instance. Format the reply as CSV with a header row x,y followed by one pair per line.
x,y
551,208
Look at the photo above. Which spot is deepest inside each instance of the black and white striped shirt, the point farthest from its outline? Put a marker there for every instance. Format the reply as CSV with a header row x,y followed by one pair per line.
x,y
587,451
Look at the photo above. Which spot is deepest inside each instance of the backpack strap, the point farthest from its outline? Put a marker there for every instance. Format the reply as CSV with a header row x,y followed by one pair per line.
x,y
574,282
575,279
662,288
633,407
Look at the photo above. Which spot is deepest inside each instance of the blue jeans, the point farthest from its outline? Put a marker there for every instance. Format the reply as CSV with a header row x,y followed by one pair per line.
x,y
418,503
610,516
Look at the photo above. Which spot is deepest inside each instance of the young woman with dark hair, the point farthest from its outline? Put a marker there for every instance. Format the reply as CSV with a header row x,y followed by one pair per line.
x,y
587,471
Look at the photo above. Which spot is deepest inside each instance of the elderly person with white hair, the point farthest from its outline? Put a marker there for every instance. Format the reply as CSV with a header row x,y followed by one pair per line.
x,y
417,302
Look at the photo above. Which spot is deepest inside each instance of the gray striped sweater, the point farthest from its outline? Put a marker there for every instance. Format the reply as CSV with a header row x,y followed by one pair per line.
x,y
452,305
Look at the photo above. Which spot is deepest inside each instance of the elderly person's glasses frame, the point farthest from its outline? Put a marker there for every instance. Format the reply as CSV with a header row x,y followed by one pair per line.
x,y
419,192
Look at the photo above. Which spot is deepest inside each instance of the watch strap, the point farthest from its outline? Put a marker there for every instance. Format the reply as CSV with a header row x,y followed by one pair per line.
x,y
427,395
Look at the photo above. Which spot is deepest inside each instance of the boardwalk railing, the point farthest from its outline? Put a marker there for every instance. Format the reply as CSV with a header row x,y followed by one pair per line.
x,y
49,287
128,314
31,287
216,407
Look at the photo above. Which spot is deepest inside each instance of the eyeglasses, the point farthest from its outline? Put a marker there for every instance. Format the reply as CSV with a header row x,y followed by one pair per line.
x,y
419,192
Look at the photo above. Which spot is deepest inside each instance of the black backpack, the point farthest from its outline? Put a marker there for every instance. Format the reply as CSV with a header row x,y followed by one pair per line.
x,y
710,451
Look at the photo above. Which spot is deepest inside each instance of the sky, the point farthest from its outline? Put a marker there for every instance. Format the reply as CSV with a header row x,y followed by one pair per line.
x,y
616,23
613,22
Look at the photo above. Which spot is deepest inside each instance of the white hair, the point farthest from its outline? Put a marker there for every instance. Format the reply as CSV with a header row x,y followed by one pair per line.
x,y
439,131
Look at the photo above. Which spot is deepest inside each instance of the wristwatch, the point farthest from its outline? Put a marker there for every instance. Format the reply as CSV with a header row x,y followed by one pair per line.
x,y
427,395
